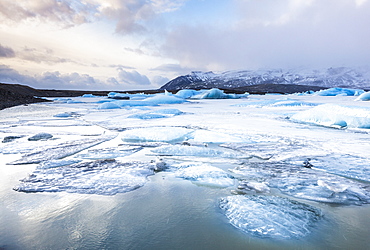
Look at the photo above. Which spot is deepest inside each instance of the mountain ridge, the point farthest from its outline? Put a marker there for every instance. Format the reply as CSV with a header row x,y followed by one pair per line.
x,y
328,78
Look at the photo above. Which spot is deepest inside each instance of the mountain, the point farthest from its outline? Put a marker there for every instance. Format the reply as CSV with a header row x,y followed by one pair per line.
x,y
331,77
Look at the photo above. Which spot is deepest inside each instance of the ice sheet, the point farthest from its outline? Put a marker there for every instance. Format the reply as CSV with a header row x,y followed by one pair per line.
x,y
156,134
270,216
104,177
196,151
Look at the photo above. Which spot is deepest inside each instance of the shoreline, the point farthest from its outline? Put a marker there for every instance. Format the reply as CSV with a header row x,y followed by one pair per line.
x,y
16,94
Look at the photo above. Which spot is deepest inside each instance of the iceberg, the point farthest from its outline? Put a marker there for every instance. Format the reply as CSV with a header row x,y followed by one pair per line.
x,y
157,114
147,116
339,92
332,115
270,216
156,134
206,175
364,97
186,93
102,177
109,105
88,95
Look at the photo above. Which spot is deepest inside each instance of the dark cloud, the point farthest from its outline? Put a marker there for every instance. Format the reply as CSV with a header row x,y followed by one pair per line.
x,y
6,51
132,78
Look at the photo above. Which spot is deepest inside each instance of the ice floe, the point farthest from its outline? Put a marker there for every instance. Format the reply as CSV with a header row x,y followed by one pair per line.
x,y
305,183
61,150
208,94
205,175
184,150
270,216
40,136
285,102
156,134
332,115
103,177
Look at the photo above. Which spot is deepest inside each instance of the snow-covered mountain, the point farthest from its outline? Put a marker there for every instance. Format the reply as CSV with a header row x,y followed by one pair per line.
x,y
331,77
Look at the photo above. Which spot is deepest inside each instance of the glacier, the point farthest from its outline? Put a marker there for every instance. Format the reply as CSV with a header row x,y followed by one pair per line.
x,y
270,216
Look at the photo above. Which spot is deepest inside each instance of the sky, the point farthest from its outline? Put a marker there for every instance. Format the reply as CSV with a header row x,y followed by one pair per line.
x,y
142,44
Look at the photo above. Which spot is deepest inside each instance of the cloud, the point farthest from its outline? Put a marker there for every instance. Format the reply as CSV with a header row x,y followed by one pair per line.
x,y
6,52
132,78
269,34
41,56
67,13
173,68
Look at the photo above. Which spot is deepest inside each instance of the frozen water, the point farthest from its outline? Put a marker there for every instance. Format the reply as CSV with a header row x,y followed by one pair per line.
x,y
147,116
339,92
354,167
40,136
60,150
109,105
306,183
364,97
109,153
332,115
104,177
164,99
156,134
285,102
184,150
270,216
170,112
186,93
206,175
260,187
57,163
88,95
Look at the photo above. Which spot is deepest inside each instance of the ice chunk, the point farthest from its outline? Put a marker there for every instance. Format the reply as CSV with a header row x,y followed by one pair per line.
x,y
40,136
11,138
88,95
270,216
364,97
260,187
109,105
171,112
104,177
164,99
306,183
158,134
339,92
206,175
186,93
60,151
332,115
181,150
63,115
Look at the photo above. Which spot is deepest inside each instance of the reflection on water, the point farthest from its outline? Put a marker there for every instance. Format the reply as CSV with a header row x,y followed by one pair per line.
x,y
167,213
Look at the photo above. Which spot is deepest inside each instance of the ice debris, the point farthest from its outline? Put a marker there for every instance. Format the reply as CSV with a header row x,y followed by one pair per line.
x,y
206,175
332,115
11,138
270,216
109,153
40,136
103,177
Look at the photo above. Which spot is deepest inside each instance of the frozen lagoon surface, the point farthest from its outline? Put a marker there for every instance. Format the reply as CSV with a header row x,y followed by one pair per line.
x,y
263,172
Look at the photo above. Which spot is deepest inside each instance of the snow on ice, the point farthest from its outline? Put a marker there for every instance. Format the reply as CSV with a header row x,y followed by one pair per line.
x,y
270,216
332,115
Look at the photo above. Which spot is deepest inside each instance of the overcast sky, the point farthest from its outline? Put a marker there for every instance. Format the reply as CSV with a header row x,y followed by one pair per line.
x,y
141,44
